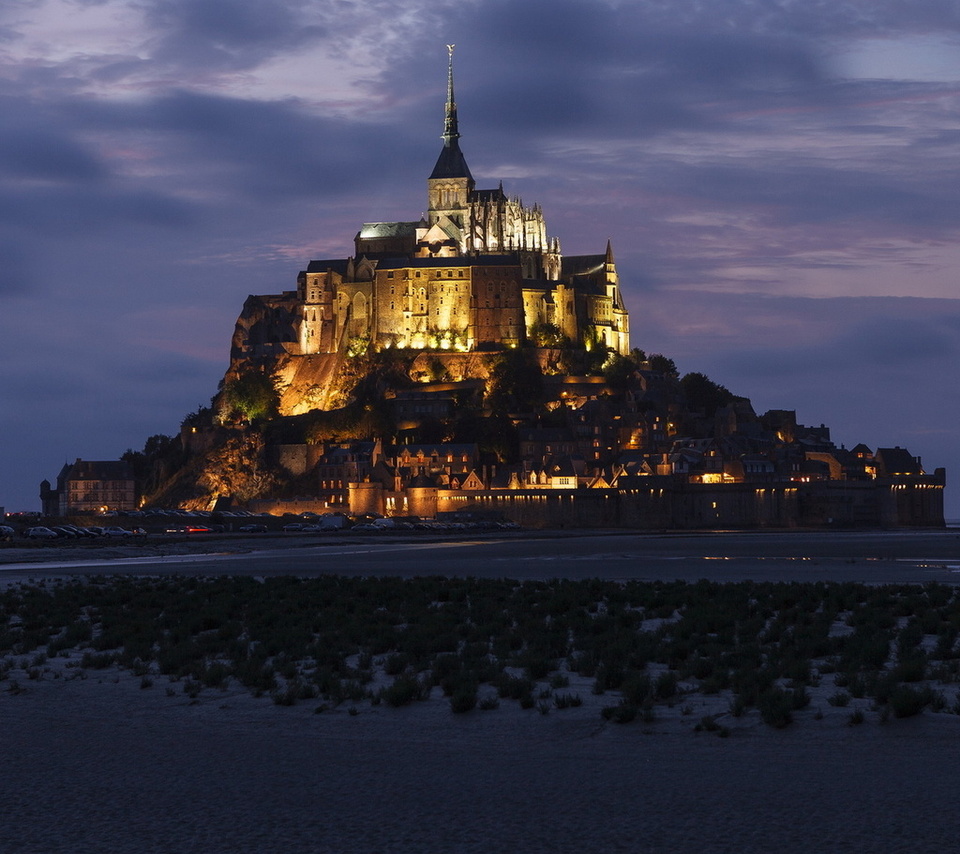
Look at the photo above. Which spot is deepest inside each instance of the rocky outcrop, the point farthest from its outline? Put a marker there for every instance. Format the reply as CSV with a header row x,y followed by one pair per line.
x,y
235,467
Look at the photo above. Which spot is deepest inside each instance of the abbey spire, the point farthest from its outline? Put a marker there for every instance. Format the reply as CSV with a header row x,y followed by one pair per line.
x,y
451,163
450,183
450,129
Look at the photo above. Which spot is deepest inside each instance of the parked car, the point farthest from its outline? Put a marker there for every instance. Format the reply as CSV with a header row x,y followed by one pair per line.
x,y
253,529
65,533
116,532
40,533
76,531
6,533
293,526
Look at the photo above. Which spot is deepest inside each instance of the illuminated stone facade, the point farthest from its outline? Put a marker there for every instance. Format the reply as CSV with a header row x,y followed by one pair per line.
x,y
477,271
89,487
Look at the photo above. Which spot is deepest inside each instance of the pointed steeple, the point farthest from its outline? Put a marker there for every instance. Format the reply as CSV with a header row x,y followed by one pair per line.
x,y
609,259
450,129
451,163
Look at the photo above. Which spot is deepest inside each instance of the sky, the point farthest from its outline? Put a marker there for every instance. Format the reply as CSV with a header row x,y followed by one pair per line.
x,y
780,180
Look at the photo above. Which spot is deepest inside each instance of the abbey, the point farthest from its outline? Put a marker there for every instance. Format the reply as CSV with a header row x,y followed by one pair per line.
x,y
477,272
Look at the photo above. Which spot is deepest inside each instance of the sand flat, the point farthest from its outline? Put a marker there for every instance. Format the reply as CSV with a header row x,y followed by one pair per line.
x,y
101,765
98,765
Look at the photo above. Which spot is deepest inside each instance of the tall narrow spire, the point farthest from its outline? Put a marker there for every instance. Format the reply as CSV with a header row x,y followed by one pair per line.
x,y
450,130
451,163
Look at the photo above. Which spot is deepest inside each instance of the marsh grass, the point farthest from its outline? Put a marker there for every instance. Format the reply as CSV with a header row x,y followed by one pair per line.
x,y
708,723
567,701
905,701
405,689
489,702
839,699
776,707
464,698
642,643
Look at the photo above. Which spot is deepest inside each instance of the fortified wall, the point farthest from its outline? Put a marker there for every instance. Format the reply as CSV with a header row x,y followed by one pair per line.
x,y
660,503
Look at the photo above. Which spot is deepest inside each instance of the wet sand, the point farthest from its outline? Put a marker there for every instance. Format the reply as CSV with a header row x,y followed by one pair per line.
x,y
101,765
106,767
870,557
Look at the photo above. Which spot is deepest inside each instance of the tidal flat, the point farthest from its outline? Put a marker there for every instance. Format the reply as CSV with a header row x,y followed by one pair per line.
x,y
350,712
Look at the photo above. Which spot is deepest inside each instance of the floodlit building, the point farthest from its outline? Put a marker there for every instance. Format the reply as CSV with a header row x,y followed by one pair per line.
x,y
476,271
90,486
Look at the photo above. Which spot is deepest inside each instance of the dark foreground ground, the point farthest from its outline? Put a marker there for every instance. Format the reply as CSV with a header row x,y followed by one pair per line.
x,y
124,772
101,765
873,557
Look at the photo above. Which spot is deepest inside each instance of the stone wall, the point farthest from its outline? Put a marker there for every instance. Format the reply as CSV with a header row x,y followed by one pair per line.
x,y
667,504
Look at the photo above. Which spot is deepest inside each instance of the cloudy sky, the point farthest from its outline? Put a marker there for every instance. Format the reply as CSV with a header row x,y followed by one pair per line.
x,y
780,180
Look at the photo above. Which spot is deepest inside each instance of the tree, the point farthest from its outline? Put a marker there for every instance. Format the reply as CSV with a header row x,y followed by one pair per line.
x,y
516,382
544,334
661,364
437,370
251,396
495,435
160,456
704,394
620,371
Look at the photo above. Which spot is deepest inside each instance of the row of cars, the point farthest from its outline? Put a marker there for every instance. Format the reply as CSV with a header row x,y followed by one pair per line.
x,y
200,522
75,532
385,523
162,513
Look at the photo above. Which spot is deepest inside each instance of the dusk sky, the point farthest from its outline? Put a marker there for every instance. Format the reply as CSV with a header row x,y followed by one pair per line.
x,y
780,180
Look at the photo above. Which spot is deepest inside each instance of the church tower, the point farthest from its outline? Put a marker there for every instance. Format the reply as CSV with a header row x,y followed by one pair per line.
x,y
450,184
